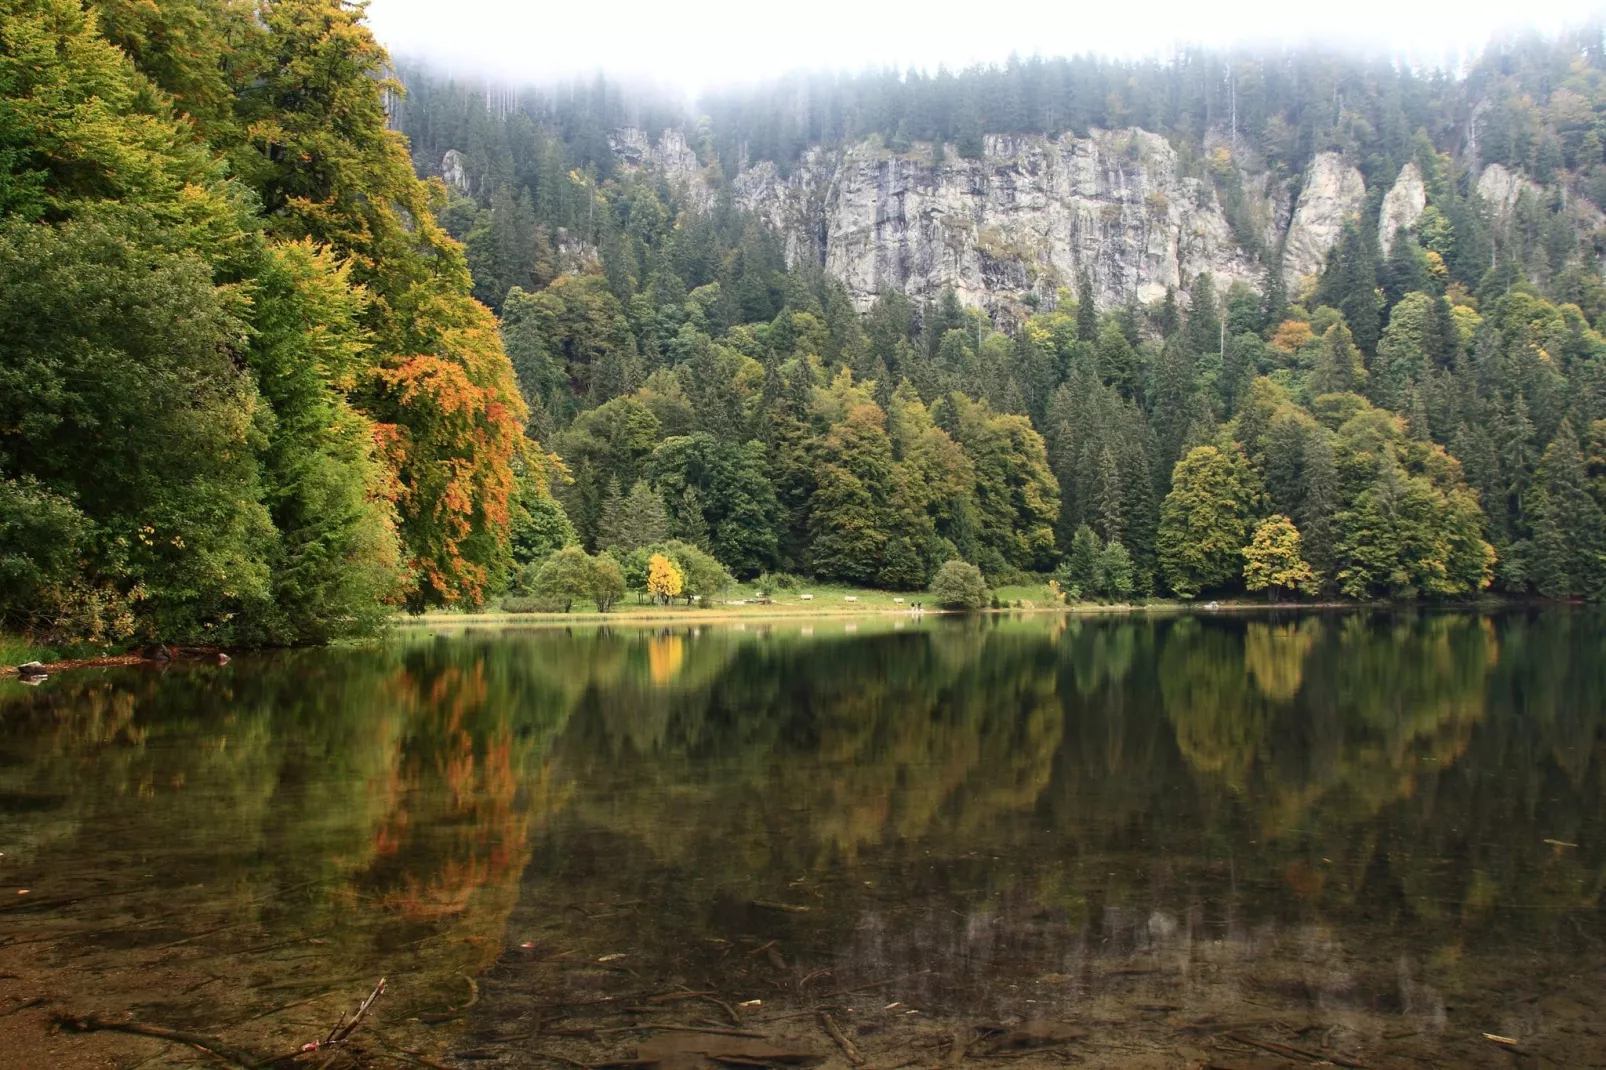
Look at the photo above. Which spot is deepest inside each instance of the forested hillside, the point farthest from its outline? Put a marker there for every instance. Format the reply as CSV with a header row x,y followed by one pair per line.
x,y
245,394
1421,418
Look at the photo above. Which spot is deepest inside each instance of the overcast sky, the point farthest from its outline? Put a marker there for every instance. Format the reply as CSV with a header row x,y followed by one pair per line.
x,y
696,44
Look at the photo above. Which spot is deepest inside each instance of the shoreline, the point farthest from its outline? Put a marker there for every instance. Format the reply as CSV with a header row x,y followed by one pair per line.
x,y
768,615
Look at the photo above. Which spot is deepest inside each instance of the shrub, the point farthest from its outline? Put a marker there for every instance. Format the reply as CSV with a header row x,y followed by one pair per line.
x,y
564,577
959,585
519,604
770,582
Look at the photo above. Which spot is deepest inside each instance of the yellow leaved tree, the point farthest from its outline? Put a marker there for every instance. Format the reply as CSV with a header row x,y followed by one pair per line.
x,y
664,578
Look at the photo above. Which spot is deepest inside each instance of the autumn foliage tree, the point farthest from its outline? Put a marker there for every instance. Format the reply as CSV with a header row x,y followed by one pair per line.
x,y
1272,560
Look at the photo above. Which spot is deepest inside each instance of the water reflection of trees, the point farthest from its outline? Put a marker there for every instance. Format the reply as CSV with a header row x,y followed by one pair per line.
x,y
372,798
1320,753
1398,772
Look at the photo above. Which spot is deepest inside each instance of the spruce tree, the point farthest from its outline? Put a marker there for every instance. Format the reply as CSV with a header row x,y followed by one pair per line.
x,y
645,522
1077,570
1318,506
1110,506
1176,403
1204,318
611,520
690,525
1568,517
1336,363
1087,316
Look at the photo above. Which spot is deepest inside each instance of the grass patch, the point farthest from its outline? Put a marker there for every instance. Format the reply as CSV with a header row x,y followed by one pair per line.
x,y
18,650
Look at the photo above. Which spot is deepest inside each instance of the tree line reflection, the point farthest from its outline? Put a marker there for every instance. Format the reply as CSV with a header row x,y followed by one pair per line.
x,y
1429,770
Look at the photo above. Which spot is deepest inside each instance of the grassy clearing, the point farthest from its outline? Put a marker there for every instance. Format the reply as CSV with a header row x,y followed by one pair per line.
x,y
743,601
17,650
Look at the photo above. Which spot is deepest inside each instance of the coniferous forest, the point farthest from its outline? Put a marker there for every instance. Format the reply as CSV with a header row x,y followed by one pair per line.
x,y
263,383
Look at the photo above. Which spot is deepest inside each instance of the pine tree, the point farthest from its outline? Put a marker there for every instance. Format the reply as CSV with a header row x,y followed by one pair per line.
x,y
1515,443
1337,364
1274,291
1112,571
1118,362
1204,319
1176,402
1076,572
1547,558
1170,319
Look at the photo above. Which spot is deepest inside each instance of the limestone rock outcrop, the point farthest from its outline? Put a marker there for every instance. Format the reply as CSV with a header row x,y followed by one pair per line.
x,y
1333,192
454,171
1028,217
1403,206
1500,187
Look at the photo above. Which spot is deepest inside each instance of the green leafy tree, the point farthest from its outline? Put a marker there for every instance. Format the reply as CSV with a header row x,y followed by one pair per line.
x,y
565,577
605,582
851,516
734,497
1204,520
540,526
1017,496
41,534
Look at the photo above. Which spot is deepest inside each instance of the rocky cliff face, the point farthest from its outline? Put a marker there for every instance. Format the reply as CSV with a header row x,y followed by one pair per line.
x,y
1403,206
1333,191
1027,218
1034,213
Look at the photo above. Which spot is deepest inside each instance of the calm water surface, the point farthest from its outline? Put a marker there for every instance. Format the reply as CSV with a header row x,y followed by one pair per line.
x,y
1376,836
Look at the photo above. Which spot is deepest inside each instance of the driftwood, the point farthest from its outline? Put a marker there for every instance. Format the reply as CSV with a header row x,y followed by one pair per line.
x,y
1289,1051
829,1025
211,1045
343,1029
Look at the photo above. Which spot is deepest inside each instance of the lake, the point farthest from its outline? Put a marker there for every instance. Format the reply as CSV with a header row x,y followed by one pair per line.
x,y
1211,840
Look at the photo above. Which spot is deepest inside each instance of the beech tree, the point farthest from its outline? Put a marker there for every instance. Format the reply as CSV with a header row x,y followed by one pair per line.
x,y
1272,561
1204,520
